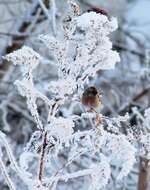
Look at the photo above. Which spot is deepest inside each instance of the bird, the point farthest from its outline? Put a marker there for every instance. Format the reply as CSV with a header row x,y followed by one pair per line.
x,y
91,98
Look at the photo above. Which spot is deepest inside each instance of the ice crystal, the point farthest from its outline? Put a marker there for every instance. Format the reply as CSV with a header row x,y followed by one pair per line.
x,y
62,87
121,151
100,174
27,90
61,128
25,56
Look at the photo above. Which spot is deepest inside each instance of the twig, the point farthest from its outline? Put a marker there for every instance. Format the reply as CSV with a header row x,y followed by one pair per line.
x,y
6,176
121,47
41,168
141,94
135,99
12,160
45,10
53,16
129,34
77,174
143,175
14,34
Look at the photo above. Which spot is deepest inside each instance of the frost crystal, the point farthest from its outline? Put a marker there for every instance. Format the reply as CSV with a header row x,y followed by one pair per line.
x,y
100,175
61,128
94,20
25,56
27,90
62,87
120,150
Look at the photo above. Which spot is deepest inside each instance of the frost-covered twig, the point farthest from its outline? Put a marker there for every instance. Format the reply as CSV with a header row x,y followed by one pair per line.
x,y
99,173
53,10
45,10
144,175
41,166
6,175
18,170
74,175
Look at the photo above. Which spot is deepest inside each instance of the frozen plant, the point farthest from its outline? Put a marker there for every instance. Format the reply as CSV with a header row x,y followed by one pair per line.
x,y
84,49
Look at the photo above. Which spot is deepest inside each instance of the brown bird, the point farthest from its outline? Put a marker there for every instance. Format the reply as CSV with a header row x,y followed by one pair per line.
x,y
91,98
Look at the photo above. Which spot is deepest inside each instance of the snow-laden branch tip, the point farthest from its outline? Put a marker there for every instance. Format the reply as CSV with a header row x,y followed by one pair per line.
x,y
24,56
86,50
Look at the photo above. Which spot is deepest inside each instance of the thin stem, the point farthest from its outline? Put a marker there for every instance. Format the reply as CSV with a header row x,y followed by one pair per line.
x,y
41,169
77,174
53,16
143,182
12,160
45,10
6,176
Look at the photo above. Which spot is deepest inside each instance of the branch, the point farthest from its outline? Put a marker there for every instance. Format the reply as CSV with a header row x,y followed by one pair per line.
x,y
68,176
41,169
6,176
144,174
45,10
53,16
144,92
12,160
121,47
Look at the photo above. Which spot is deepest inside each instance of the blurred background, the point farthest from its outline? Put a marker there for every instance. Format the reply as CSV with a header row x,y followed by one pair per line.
x,y
126,87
